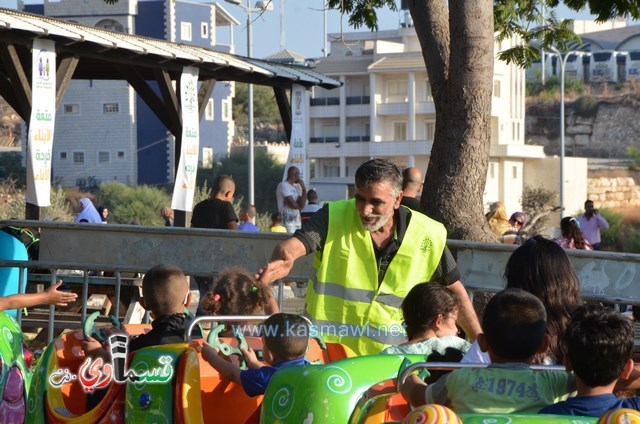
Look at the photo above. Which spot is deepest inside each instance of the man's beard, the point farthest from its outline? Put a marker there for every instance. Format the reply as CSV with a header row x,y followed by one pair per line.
x,y
375,226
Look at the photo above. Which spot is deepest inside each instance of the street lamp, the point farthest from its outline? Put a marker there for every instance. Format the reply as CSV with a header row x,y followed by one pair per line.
x,y
563,62
260,6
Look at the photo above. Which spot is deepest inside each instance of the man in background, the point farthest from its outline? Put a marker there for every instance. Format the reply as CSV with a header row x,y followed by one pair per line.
x,y
590,223
292,196
411,186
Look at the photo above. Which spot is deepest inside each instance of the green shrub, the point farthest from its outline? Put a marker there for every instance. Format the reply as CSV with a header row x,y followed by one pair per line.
x,y
586,106
536,201
614,237
633,153
127,204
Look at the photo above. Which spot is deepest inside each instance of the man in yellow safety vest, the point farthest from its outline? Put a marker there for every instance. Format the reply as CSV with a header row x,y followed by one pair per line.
x,y
370,252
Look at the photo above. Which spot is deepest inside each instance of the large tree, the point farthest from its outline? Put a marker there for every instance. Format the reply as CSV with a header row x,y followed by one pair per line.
x,y
457,39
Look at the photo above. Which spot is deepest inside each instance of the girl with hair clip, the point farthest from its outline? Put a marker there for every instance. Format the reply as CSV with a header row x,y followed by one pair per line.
x,y
572,237
236,292
541,267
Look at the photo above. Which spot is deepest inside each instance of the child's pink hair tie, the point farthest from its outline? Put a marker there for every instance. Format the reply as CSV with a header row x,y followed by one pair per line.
x,y
216,297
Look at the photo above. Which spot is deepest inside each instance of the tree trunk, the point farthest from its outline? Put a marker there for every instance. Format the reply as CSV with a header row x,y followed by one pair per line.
x,y
457,41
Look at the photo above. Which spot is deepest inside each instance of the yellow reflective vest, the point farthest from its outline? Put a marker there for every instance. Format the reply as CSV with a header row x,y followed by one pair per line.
x,y
345,302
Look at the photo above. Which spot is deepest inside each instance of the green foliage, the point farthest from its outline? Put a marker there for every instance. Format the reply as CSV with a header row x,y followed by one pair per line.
x,y
13,204
361,12
586,106
265,108
11,169
127,204
536,202
267,174
614,237
633,153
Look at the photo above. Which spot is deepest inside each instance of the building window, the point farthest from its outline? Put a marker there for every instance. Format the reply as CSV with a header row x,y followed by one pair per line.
x,y
120,155
429,130
514,170
397,88
492,171
111,108
226,110
78,157
204,29
428,96
63,155
399,130
110,25
103,157
496,88
185,31
208,112
71,109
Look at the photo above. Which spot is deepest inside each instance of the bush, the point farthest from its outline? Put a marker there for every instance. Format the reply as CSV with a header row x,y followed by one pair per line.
x,y
537,202
127,204
586,106
633,153
613,237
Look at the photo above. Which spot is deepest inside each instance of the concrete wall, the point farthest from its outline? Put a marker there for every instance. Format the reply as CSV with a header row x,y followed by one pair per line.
x,y
546,173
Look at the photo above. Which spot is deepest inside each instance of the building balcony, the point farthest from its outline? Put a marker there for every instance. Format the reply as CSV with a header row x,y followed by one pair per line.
x,y
368,149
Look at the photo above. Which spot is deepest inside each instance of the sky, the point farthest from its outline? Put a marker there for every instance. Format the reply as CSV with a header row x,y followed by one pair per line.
x,y
303,25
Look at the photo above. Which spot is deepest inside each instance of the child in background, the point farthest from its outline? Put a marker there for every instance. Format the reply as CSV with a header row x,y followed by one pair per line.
x,y
514,325
430,312
599,342
26,300
276,223
285,338
572,237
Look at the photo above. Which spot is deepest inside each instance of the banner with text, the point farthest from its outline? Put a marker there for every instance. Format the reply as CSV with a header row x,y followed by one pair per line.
x,y
41,122
185,183
298,143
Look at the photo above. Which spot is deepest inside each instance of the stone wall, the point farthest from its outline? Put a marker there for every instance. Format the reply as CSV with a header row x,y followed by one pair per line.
x,y
603,129
613,192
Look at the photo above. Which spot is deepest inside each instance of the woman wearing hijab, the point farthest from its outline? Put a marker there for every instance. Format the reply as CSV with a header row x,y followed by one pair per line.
x,y
88,212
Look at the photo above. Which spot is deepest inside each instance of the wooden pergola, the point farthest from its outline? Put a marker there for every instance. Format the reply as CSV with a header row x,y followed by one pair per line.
x,y
85,52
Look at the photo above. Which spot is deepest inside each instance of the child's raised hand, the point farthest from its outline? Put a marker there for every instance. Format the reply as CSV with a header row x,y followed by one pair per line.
x,y
251,358
59,298
277,269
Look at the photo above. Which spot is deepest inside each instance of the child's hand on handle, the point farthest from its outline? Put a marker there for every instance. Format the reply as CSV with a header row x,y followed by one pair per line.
x,y
59,298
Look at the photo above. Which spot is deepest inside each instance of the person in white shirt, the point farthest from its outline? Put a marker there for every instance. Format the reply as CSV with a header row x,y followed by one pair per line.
x,y
590,224
291,195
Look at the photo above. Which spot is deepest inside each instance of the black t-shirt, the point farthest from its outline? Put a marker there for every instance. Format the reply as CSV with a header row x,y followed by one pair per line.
x,y
411,203
213,213
165,330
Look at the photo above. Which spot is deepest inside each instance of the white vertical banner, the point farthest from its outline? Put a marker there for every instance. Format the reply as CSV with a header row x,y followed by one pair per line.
x,y
41,122
298,143
185,182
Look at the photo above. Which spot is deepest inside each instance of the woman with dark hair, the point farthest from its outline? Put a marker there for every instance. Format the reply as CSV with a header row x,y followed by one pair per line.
x,y
541,267
572,237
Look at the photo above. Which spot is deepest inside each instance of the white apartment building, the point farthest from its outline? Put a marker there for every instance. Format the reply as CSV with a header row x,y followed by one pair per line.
x,y
385,109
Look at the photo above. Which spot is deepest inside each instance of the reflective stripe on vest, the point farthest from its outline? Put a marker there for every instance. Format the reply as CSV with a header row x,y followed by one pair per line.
x,y
346,290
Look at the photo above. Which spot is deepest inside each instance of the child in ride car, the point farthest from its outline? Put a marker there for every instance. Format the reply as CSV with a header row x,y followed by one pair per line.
x,y
599,342
165,293
430,312
285,339
514,325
